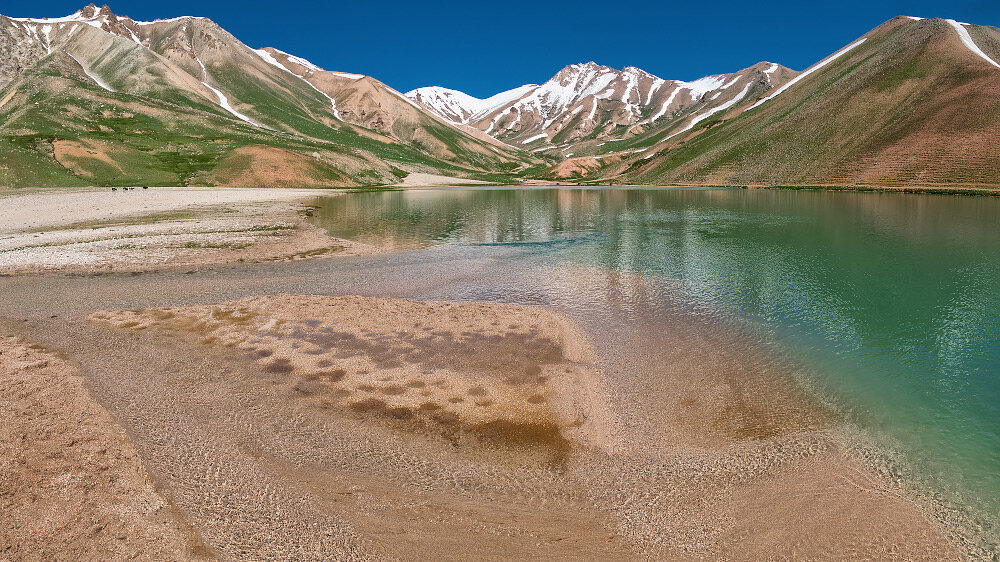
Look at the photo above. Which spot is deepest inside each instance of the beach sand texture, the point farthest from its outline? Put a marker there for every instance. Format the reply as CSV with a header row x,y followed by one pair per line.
x,y
491,429
88,230
72,486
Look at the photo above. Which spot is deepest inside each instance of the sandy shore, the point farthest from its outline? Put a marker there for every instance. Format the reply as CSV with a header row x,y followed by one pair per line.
x,y
71,484
140,230
505,378
297,426
512,394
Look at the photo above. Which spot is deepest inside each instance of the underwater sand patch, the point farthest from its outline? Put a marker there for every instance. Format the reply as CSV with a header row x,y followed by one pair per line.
x,y
514,379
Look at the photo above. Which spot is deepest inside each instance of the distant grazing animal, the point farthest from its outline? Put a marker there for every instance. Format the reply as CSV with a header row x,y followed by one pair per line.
x,y
114,189
145,187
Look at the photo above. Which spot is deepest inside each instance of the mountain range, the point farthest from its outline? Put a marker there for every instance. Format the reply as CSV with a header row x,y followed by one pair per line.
x,y
96,98
100,99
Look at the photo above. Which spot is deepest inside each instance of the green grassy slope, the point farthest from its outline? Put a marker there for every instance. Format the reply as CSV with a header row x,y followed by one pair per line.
x,y
909,106
162,126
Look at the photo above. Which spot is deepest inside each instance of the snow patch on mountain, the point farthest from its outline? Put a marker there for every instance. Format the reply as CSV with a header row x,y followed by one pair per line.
x,y
266,56
93,77
460,107
224,103
702,86
717,109
809,71
346,74
77,16
262,53
170,20
967,40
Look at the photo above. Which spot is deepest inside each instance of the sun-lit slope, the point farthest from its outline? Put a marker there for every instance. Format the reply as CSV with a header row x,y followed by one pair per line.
x,y
367,102
910,103
94,98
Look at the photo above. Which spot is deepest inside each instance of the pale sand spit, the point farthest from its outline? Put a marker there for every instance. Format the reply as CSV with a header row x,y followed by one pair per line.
x,y
139,230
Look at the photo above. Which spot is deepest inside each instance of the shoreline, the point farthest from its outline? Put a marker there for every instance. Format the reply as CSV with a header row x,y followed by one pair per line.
x,y
790,448
940,190
74,485
308,349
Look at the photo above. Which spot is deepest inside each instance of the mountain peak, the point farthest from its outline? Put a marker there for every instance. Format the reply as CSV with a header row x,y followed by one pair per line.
x,y
92,11
583,67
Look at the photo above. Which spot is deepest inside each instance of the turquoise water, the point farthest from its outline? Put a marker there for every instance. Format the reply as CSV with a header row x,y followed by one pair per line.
x,y
891,300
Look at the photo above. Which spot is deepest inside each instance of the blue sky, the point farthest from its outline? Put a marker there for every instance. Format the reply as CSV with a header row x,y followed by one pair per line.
x,y
486,47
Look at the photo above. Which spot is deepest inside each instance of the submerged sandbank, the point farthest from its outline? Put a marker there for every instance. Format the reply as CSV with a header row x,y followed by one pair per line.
x,y
510,398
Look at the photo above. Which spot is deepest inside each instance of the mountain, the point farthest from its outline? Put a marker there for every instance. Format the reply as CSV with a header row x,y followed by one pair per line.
x,y
911,103
586,105
97,98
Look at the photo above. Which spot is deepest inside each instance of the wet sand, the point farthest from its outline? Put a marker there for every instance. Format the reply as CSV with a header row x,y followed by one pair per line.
x,y
281,423
72,485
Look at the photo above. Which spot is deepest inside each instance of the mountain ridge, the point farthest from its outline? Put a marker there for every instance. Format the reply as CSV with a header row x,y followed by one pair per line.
x,y
99,98
97,84
590,101
909,103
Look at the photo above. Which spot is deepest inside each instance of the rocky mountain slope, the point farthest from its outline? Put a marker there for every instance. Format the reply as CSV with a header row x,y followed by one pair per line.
x,y
911,103
96,98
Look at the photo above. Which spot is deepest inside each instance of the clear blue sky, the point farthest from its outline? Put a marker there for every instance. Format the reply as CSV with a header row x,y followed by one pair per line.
x,y
486,47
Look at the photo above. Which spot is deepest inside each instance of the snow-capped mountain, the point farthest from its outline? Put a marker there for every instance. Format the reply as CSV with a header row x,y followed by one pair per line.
x,y
593,102
96,98
459,107
103,84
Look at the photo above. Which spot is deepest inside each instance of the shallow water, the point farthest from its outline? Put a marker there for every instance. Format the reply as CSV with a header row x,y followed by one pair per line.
x,y
890,301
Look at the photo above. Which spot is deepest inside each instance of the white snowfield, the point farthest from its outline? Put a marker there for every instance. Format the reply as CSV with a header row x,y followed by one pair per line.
x,y
461,107
534,138
97,19
301,62
963,34
268,58
809,71
170,20
666,104
77,16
